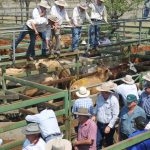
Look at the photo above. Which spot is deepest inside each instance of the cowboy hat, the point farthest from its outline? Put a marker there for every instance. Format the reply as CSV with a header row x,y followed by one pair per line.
x,y
31,128
106,87
58,144
128,79
44,4
53,18
82,112
83,5
83,92
61,3
147,77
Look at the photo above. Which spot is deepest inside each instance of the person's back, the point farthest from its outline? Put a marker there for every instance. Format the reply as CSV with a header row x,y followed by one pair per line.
x,y
47,122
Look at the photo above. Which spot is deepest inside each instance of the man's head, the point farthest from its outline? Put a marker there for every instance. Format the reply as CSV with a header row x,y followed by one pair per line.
x,y
32,132
83,115
82,6
61,4
52,19
140,123
147,87
99,2
44,5
131,101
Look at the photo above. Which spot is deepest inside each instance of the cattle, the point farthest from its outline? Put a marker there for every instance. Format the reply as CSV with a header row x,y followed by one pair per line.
x,y
102,74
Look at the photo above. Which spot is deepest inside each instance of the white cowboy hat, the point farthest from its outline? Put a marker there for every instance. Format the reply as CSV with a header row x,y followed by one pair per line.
x,y
31,128
106,87
83,5
82,112
44,4
147,77
58,144
61,3
128,79
53,18
83,92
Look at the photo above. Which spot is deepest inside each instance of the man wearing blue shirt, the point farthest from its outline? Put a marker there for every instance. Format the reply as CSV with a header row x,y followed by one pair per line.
x,y
127,116
140,123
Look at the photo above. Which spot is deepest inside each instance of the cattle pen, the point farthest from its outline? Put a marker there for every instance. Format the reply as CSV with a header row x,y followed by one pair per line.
x,y
22,91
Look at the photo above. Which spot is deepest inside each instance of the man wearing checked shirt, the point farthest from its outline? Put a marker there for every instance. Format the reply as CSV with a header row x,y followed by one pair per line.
x,y
106,114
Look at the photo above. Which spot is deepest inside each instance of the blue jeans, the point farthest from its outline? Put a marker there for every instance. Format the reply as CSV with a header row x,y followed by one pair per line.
x,y
109,138
146,12
43,37
94,35
30,51
76,35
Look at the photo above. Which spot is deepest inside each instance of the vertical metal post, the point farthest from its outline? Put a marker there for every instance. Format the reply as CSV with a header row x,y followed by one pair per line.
x,y
4,82
14,49
140,29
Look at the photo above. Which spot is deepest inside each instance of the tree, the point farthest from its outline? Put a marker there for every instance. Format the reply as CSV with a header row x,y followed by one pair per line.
x,y
117,8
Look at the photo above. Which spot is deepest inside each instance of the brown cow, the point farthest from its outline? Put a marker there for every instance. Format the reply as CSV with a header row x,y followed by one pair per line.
x,y
102,74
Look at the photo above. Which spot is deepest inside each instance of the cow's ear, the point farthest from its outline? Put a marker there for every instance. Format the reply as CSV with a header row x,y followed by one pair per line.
x,y
106,71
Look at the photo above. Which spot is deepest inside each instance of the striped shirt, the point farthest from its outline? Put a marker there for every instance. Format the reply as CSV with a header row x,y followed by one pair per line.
x,y
145,101
107,111
85,102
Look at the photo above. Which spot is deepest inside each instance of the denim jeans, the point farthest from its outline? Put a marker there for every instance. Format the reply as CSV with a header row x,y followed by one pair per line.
x,y
30,51
76,35
146,12
109,138
43,37
94,36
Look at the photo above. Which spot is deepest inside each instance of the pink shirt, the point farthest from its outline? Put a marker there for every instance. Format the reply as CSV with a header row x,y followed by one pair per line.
x,y
87,131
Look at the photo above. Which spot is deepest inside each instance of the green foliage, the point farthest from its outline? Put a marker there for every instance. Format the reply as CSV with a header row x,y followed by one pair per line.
x,y
116,8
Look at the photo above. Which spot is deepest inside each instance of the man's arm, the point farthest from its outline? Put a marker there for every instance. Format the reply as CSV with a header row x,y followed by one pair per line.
x,y
34,28
83,142
33,118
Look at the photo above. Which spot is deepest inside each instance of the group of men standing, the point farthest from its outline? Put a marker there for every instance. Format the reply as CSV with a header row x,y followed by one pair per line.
x,y
47,26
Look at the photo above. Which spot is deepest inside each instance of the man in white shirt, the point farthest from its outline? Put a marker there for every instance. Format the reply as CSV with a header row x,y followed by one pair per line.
x,y
59,10
106,113
33,27
47,122
128,87
33,140
98,14
41,11
79,17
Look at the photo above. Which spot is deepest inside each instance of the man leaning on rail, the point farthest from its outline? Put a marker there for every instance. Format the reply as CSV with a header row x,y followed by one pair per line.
x,y
34,27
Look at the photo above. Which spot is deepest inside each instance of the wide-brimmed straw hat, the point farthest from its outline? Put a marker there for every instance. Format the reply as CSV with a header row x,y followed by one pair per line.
x,y
53,18
147,77
82,112
83,5
83,92
31,128
128,79
44,4
107,87
61,3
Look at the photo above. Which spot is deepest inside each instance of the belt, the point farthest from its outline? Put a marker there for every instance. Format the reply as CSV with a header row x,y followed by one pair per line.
x,y
51,135
96,20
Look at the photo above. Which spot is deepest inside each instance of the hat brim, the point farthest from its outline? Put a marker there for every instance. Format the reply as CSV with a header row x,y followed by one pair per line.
x,y
131,82
84,95
103,90
81,114
85,8
24,131
60,4
47,7
146,78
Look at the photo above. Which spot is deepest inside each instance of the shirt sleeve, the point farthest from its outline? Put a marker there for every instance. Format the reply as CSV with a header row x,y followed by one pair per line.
x,y
33,118
88,17
105,14
75,17
66,16
40,20
114,111
53,10
92,131
35,13
74,108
